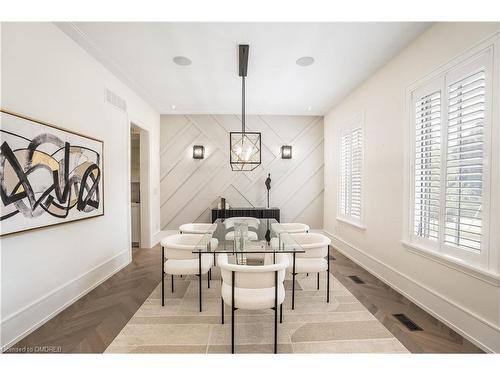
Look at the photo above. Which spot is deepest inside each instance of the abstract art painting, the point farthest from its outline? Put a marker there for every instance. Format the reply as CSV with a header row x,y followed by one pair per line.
x,y
48,175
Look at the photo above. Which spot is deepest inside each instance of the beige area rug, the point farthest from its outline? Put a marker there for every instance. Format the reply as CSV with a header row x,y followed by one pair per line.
x,y
342,326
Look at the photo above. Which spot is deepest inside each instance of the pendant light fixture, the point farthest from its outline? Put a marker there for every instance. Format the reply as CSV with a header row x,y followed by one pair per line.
x,y
245,147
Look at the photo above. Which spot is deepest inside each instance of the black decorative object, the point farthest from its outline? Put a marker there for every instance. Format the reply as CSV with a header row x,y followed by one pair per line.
x,y
286,152
198,152
268,186
245,147
268,234
223,207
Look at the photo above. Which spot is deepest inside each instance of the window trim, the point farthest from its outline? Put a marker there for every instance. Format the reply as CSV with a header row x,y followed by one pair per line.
x,y
489,262
356,120
347,220
454,263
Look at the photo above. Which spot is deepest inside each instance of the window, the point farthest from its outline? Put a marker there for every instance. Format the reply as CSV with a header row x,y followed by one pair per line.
x,y
351,173
451,126
464,161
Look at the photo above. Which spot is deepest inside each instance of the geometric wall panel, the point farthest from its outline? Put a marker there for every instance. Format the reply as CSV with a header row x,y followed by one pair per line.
x,y
190,188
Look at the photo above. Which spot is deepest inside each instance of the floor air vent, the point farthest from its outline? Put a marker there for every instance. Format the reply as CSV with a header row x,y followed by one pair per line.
x,y
410,324
356,279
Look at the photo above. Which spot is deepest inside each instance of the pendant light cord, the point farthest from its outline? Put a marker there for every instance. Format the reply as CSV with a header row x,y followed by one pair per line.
x,y
243,103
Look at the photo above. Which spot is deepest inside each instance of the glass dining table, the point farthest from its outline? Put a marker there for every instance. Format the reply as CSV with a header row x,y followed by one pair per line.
x,y
243,236
248,240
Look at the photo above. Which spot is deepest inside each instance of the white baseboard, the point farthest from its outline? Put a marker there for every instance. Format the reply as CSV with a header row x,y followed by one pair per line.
x,y
483,333
24,321
156,238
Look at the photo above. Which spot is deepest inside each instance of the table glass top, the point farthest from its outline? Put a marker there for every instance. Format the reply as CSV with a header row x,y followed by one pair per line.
x,y
248,235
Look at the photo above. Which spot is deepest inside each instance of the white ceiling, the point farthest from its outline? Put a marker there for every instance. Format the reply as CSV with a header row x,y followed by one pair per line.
x,y
141,54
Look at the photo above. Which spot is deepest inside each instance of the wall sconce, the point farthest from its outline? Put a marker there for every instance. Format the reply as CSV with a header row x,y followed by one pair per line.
x,y
286,152
198,152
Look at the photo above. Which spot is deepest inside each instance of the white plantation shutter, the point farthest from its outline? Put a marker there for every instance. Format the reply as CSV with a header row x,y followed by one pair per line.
x,y
351,160
464,161
451,137
427,166
345,173
356,172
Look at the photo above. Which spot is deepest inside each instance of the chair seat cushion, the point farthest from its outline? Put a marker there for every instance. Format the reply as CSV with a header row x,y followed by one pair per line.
x,y
252,299
189,266
303,265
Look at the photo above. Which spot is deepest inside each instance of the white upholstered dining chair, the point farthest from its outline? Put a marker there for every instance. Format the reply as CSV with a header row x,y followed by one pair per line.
x,y
252,223
314,259
253,288
178,259
253,226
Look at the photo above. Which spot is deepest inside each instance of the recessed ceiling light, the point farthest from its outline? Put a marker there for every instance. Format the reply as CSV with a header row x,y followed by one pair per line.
x,y
305,61
309,108
181,60
172,106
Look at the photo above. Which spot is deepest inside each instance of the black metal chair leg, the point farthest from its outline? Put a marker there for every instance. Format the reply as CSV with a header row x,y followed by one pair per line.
x,y
328,277
318,281
293,283
199,274
172,278
232,312
208,278
281,313
162,276
275,312
222,309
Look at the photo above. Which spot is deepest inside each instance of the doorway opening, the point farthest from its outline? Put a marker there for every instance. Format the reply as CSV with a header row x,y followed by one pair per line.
x,y
135,184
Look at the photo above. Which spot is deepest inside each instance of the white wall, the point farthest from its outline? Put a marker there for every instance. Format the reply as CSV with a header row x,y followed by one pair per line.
x,y
47,76
462,299
190,188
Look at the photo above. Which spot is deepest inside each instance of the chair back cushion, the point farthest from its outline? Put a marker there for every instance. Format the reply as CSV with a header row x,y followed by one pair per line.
x,y
252,222
181,246
315,245
253,277
290,227
198,228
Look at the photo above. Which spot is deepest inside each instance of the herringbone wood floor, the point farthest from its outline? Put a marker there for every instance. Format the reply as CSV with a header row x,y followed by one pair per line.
x,y
383,301
90,324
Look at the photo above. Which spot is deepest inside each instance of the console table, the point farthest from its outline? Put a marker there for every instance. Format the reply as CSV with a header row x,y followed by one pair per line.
x,y
257,212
